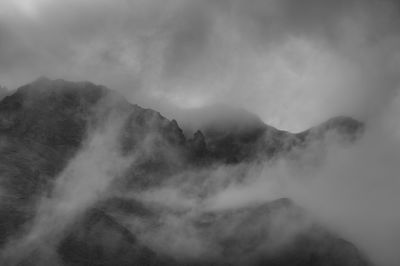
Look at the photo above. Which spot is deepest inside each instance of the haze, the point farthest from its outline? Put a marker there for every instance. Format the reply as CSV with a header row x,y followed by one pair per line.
x,y
294,63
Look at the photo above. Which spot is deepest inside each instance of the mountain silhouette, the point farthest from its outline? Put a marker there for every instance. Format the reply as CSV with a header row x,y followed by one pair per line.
x,y
44,125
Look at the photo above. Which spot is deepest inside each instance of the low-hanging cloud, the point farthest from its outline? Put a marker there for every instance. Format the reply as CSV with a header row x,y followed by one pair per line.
x,y
85,180
352,191
293,63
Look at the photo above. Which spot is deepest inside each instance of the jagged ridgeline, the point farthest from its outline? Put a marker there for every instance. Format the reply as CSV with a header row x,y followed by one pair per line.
x,y
82,169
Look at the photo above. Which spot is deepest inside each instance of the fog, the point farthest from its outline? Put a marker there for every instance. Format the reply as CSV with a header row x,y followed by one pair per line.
x,y
86,180
292,63
352,190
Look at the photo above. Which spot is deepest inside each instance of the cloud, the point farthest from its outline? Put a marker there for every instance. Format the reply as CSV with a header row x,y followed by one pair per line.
x,y
352,190
293,63
357,188
86,179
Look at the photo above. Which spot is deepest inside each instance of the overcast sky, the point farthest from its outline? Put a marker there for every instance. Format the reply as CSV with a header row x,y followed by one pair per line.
x,y
294,63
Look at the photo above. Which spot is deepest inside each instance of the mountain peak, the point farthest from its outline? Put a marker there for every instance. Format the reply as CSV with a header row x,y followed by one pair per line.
x,y
347,128
45,123
224,133
41,79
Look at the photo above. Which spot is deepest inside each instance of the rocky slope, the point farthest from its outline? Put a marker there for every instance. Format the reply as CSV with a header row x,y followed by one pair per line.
x,y
46,125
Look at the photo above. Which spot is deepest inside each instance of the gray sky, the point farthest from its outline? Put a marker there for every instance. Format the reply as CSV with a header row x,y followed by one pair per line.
x,y
294,63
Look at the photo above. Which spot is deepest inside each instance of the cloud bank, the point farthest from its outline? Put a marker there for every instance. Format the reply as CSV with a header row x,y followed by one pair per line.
x,y
293,63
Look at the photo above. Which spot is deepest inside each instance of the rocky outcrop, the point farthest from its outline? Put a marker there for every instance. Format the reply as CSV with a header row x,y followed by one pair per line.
x,y
45,123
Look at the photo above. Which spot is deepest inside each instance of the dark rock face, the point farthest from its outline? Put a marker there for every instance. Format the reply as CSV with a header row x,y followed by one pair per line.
x,y
88,243
240,237
45,123
252,226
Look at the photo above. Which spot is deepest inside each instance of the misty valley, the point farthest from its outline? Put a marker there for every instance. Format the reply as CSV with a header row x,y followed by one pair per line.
x,y
88,178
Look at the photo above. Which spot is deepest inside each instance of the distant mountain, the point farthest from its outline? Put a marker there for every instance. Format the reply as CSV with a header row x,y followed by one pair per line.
x,y
44,125
233,134
3,91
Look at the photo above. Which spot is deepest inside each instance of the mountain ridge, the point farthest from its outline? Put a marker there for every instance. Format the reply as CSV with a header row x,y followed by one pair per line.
x,y
44,124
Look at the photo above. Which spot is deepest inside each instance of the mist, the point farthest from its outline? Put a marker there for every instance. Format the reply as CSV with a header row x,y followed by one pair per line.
x,y
350,188
293,64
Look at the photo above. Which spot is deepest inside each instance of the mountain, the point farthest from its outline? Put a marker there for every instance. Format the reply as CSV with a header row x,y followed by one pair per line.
x,y
234,135
83,174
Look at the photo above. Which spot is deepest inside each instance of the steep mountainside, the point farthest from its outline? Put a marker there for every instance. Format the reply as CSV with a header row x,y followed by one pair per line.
x,y
51,132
